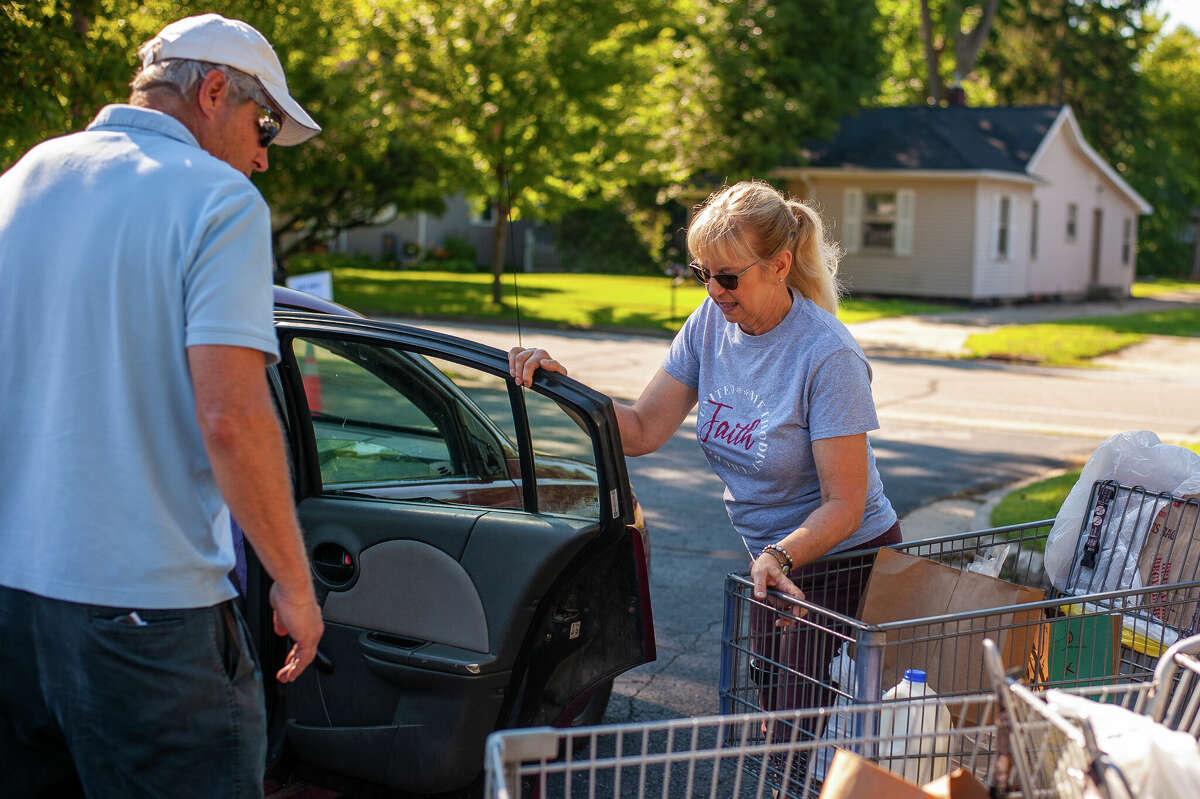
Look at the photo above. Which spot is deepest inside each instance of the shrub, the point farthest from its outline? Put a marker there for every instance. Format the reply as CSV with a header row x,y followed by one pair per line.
x,y
602,240
458,248
303,263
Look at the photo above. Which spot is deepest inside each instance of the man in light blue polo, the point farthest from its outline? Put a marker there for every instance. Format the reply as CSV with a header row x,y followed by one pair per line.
x,y
136,264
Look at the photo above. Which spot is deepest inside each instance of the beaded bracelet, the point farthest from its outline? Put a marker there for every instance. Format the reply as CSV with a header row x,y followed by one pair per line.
x,y
776,551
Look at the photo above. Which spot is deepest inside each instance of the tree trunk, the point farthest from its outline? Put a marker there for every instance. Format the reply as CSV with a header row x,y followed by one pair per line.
x,y
499,233
933,83
1060,71
966,47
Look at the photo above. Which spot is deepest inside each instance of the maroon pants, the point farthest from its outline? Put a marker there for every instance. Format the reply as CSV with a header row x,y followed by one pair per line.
x,y
791,664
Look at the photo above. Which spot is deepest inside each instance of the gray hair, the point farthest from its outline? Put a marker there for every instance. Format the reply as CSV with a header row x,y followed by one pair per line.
x,y
183,76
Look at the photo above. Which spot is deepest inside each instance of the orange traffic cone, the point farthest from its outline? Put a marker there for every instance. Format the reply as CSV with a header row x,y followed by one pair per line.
x,y
310,375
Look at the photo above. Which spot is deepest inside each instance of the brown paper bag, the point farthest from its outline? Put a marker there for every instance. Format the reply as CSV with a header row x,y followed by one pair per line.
x,y
904,587
958,784
854,777
1172,555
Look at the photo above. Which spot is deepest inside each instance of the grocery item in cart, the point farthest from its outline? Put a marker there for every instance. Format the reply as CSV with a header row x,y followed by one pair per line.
x,y
904,587
1089,547
842,673
916,730
1171,555
1155,760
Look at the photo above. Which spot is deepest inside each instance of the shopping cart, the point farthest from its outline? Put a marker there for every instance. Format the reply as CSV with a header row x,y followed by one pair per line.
x,y
747,756
1044,639
1057,755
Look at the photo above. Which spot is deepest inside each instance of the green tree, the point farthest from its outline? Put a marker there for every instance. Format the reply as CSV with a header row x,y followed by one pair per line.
x,y
1164,166
545,104
904,77
783,72
62,60
1078,52
943,34
372,160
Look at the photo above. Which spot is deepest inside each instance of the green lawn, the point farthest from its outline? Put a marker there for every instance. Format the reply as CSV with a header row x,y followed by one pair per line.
x,y
1041,500
1072,342
1162,285
567,300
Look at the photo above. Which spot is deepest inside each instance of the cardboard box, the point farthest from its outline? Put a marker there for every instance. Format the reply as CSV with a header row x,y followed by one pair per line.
x,y
1077,650
854,777
903,587
1172,555
958,784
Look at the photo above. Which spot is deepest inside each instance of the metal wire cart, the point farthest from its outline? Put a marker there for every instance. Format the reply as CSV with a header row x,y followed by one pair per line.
x,y
747,756
799,680
1055,750
1089,634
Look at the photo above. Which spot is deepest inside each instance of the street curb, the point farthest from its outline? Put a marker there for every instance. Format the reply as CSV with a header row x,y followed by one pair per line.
x,y
983,514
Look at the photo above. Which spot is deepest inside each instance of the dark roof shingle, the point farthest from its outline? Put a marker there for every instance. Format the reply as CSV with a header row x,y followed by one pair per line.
x,y
927,137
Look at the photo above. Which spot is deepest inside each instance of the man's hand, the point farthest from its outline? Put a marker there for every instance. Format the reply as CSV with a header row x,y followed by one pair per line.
x,y
300,618
766,573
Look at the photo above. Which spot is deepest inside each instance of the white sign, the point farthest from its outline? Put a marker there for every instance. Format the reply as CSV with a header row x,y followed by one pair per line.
x,y
319,284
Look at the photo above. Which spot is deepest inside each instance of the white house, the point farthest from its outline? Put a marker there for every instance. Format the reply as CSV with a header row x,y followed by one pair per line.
x,y
529,244
973,203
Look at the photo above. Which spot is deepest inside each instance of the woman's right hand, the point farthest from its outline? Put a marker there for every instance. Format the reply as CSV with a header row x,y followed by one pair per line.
x,y
523,362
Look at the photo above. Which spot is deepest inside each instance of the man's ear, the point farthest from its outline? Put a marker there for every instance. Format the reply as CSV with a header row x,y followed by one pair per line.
x,y
213,89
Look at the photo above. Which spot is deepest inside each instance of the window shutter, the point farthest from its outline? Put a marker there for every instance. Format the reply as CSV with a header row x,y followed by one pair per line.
x,y
996,201
851,220
906,201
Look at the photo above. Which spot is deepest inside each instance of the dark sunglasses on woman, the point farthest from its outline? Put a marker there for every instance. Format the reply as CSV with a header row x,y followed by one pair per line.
x,y
729,282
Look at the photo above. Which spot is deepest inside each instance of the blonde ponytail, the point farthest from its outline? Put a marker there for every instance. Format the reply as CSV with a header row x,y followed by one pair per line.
x,y
814,259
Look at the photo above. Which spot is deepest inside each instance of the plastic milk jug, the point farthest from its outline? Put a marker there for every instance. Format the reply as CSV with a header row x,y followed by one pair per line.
x,y
837,724
915,731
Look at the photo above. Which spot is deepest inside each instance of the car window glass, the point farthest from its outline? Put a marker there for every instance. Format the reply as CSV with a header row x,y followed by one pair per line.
x,y
396,425
564,459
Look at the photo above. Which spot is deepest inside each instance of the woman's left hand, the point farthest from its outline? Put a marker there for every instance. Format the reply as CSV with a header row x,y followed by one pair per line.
x,y
766,573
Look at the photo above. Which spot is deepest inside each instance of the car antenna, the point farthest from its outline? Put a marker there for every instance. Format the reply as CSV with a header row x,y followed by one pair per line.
x,y
512,251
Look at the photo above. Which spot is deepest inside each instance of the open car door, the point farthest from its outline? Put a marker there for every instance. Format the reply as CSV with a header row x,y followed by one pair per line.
x,y
472,548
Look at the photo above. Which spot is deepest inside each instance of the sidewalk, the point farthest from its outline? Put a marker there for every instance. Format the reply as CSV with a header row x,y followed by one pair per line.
x,y
944,334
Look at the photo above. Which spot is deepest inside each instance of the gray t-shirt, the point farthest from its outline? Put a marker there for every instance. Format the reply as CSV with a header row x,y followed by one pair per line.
x,y
120,247
763,400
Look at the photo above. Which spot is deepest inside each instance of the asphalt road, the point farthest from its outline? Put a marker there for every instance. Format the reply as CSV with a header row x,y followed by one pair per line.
x,y
947,427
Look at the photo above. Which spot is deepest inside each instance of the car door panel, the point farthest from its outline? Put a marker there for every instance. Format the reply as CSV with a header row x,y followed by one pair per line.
x,y
436,601
445,620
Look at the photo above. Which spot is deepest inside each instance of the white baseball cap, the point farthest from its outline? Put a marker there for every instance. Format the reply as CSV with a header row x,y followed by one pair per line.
x,y
233,43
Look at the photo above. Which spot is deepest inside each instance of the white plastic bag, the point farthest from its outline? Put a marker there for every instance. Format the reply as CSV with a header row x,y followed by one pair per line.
x,y
1158,763
991,563
1135,458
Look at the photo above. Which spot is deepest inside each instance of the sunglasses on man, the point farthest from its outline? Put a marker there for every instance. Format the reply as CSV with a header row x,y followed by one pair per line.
x,y
729,282
270,122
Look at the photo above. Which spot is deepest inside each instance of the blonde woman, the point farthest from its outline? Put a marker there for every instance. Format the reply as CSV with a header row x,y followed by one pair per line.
x,y
783,400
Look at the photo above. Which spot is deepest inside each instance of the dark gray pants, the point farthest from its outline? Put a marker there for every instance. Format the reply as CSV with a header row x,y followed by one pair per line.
x,y
93,703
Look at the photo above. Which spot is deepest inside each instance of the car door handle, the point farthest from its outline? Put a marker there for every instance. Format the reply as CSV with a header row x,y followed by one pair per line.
x,y
323,662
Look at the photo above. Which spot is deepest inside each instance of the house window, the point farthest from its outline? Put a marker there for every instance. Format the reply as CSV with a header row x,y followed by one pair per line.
x,y
879,220
1003,226
484,216
1072,220
1126,240
1033,231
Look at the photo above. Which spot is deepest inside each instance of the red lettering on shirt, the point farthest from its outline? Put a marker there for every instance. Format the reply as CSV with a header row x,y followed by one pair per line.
x,y
739,435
